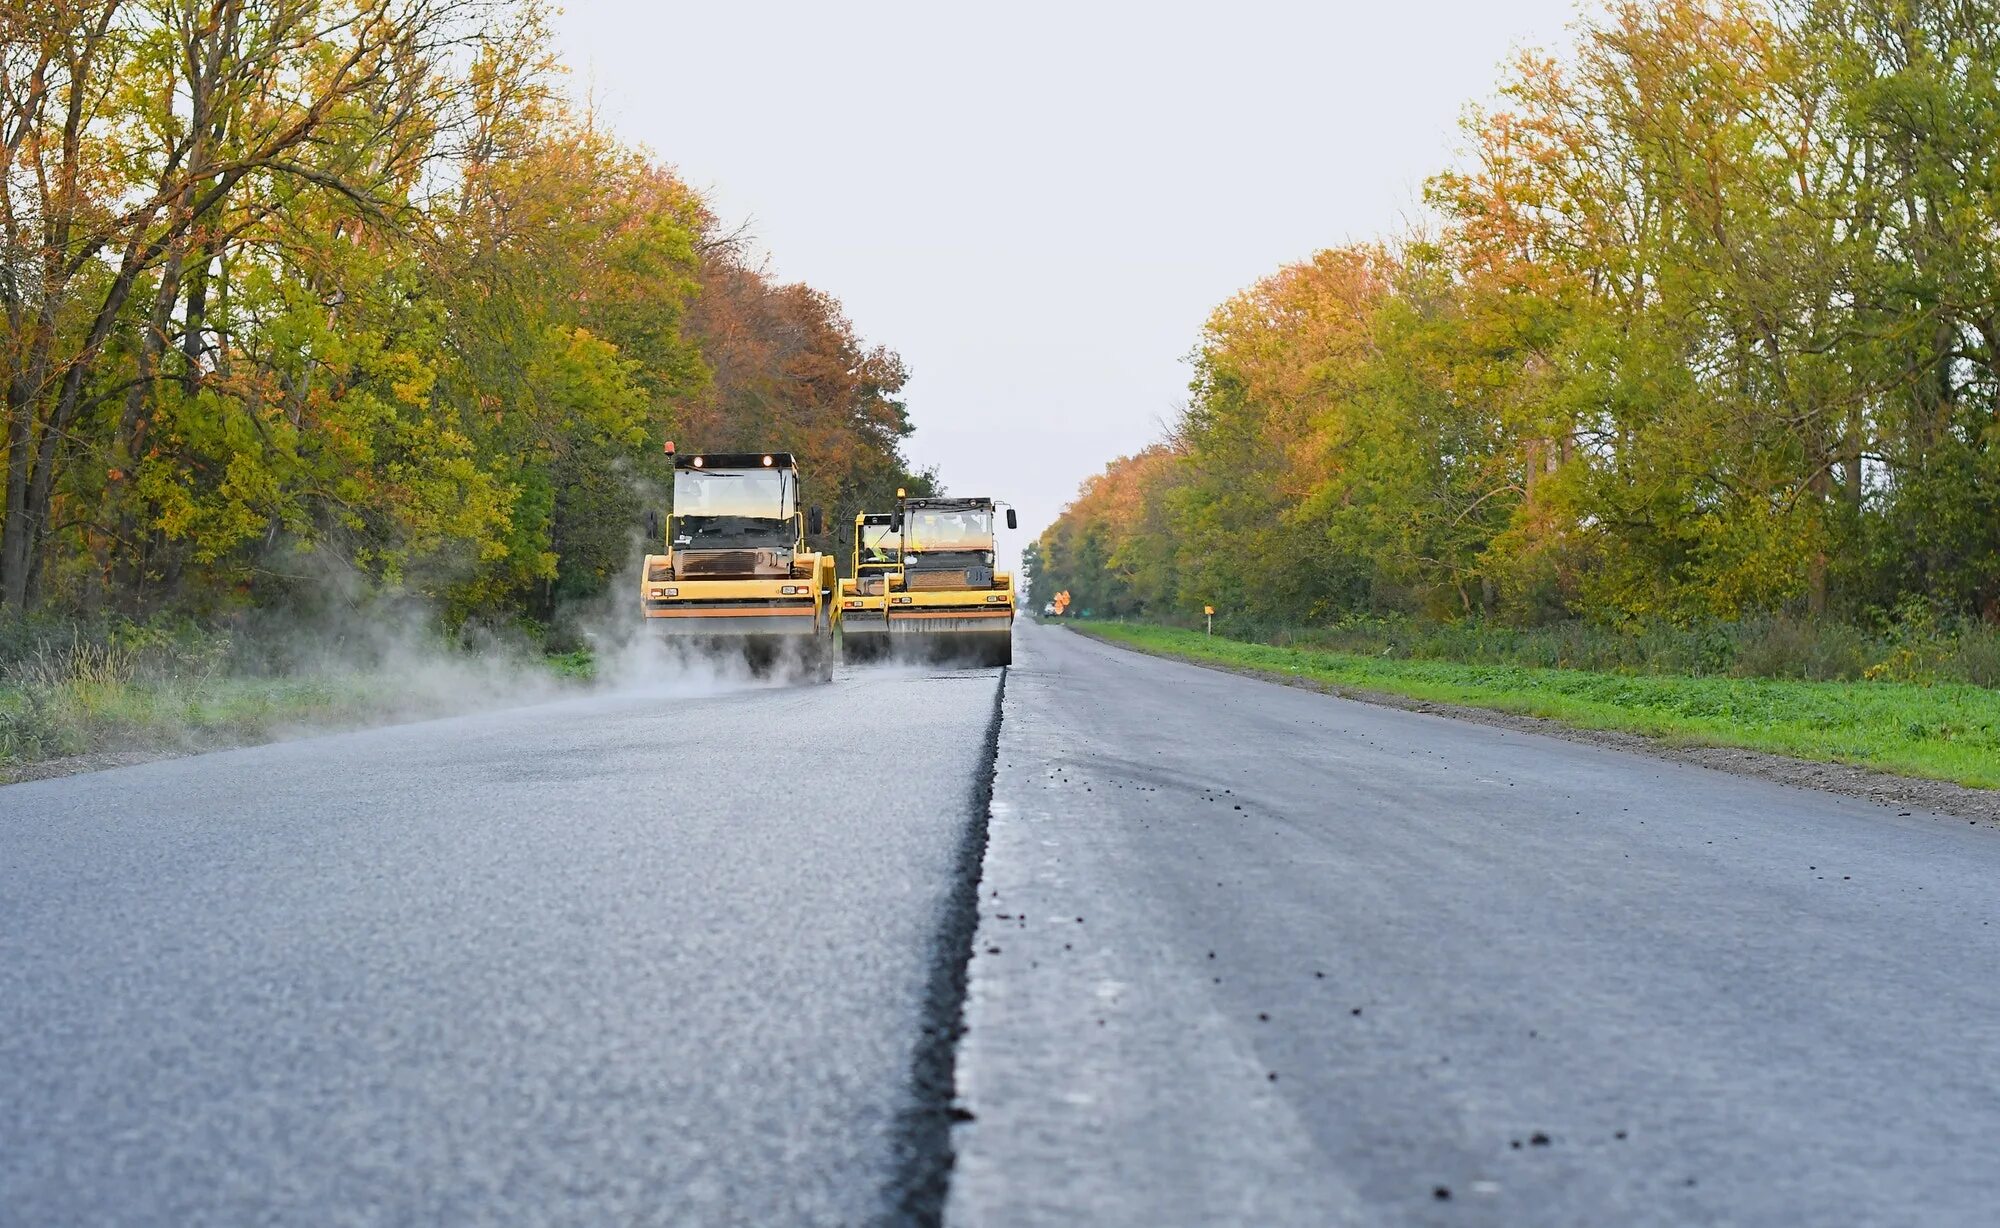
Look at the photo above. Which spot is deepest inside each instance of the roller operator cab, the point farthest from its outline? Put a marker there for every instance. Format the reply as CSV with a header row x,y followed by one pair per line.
x,y
737,577
946,601
864,596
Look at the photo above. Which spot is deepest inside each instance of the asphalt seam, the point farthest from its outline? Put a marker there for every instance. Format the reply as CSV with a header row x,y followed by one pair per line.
x,y
924,1130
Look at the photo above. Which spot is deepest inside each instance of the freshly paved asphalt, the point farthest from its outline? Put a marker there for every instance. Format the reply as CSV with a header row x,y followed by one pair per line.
x,y
657,958
686,957
1249,954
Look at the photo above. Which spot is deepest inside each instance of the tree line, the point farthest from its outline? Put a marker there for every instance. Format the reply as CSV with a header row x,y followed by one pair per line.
x,y
351,293
1705,325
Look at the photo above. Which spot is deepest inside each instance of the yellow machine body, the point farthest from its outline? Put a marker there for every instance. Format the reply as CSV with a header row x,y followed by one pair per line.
x,y
946,601
736,576
864,594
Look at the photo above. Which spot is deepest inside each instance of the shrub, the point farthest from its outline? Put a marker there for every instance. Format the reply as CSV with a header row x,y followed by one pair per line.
x,y
1912,644
1790,648
36,725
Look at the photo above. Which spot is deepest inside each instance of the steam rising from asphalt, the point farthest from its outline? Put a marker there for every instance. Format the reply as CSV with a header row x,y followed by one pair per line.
x,y
336,653
393,652
398,646
633,657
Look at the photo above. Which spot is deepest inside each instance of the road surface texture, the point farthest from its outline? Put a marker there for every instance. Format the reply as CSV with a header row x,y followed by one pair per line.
x,y
1244,954
633,960
1249,954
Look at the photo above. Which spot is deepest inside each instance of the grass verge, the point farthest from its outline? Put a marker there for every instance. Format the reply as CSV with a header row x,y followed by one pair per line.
x,y
89,711
1944,732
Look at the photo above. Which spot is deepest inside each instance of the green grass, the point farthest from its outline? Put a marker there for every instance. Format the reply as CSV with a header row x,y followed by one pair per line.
x,y
576,666
1945,732
86,700
1915,644
83,716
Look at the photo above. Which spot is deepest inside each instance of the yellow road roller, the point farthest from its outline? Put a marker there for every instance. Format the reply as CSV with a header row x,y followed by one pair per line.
x,y
737,578
946,602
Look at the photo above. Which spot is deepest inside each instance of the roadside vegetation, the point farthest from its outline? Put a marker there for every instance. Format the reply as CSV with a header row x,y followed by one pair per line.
x,y
78,694
313,311
353,295
1703,328
1944,731
1686,380
1916,647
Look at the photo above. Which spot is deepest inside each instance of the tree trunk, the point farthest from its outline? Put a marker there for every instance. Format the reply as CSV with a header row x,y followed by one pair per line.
x,y
1850,461
16,531
1816,567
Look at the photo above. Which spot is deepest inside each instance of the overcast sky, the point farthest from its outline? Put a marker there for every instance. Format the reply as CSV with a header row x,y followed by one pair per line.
x,y
1038,204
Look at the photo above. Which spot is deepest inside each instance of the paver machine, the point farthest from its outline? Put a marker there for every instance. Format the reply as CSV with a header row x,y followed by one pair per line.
x,y
737,577
864,594
945,600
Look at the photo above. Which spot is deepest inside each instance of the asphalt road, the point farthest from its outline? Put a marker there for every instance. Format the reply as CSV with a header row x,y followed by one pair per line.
x,y
1244,954
1250,954
657,958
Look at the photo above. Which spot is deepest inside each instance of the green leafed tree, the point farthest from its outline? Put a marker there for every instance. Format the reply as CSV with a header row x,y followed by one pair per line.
x,y
348,294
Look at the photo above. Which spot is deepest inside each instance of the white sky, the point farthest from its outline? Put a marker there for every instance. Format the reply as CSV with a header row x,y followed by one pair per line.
x,y
1038,204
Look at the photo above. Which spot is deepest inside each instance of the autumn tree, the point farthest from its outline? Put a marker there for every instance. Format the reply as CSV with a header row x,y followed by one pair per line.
x,y
1701,326
350,295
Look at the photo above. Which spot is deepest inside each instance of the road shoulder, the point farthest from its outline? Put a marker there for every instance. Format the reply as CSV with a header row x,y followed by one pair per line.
x,y
1884,788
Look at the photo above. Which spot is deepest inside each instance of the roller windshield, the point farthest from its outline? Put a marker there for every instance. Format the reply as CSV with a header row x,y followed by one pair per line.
x,y
734,507
879,544
957,529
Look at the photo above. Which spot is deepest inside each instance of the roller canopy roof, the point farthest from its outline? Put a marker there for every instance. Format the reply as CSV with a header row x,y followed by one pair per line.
x,y
733,460
948,505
